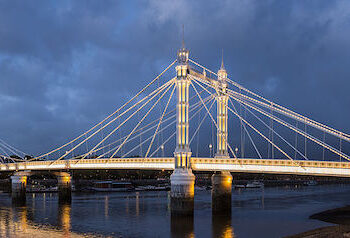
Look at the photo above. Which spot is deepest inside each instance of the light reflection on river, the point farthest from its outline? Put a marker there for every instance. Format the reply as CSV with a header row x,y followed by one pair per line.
x,y
272,212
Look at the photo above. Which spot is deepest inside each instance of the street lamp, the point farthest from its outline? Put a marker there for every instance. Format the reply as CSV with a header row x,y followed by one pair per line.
x,y
210,147
162,148
236,150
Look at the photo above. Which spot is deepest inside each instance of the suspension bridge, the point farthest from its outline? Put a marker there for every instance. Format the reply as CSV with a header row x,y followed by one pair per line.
x,y
273,138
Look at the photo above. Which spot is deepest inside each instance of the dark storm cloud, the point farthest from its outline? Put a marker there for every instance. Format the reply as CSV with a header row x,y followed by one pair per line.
x,y
64,65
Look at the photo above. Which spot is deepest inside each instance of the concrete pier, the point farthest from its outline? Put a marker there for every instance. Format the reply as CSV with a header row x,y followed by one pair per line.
x,y
182,192
221,193
64,187
18,187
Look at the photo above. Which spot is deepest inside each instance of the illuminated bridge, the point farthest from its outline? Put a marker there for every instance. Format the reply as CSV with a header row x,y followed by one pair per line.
x,y
165,125
321,168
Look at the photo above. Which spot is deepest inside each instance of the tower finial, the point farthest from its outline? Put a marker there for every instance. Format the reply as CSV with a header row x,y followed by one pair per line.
x,y
222,59
183,36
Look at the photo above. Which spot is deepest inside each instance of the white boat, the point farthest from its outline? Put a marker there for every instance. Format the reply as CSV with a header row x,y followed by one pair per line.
x,y
110,186
200,188
255,184
240,186
310,183
152,188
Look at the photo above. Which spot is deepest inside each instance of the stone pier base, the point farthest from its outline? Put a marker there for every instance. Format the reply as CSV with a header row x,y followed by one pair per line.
x,y
64,187
18,188
221,192
182,192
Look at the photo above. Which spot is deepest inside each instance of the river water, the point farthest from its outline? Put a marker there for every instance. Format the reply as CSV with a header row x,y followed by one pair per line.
x,y
271,212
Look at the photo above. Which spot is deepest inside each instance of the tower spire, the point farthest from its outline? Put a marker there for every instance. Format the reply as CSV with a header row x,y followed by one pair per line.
x,y
183,36
222,59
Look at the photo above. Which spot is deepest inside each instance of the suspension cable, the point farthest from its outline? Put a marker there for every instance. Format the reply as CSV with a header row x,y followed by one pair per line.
x,y
160,121
200,124
206,100
164,128
142,120
284,110
154,95
249,136
310,137
275,132
228,145
120,108
192,107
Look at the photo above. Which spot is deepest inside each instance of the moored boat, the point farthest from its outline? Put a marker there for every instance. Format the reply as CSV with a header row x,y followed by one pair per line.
x,y
255,184
310,183
111,186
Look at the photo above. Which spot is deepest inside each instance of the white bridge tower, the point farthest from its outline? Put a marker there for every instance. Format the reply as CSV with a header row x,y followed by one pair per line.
x,y
182,179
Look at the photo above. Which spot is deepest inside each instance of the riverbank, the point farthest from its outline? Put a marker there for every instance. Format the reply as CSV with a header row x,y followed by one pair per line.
x,y
339,216
325,232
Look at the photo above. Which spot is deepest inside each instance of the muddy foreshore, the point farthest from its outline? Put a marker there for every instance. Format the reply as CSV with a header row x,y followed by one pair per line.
x,y
339,216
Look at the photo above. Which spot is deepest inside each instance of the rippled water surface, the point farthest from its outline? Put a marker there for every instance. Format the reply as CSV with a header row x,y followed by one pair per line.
x,y
272,212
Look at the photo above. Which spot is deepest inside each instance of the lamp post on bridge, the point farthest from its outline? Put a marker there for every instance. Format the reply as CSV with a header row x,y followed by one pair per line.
x,y
182,179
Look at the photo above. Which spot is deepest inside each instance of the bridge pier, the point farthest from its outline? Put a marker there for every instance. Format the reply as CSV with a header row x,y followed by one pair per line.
x,y
64,187
182,192
18,188
221,193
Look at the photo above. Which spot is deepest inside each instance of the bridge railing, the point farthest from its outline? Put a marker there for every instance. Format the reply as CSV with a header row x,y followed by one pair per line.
x,y
210,164
274,162
142,163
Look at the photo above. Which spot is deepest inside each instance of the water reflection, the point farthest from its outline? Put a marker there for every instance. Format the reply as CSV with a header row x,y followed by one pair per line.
x,y
137,200
221,225
145,214
64,218
20,222
106,206
182,226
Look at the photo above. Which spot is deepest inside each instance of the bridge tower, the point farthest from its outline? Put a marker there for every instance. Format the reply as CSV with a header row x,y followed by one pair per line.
x,y
182,179
221,181
221,114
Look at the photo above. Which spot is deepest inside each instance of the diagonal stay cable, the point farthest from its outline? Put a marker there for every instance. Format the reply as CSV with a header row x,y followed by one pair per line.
x,y
200,124
205,101
14,148
249,136
274,131
308,136
293,115
262,135
192,107
119,109
119,115
115,129
280,109
160,121
141,120
228,145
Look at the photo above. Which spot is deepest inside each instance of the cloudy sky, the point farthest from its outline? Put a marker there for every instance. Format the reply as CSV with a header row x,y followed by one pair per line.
x,y
64,65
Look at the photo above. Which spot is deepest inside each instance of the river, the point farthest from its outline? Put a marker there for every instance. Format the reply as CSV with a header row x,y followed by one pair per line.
x,y
271,212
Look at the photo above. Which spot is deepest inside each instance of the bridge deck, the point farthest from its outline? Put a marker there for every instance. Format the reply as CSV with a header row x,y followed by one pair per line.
x,y
301,167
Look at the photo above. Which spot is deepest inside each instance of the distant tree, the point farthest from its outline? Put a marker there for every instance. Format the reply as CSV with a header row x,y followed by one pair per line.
x,y
15,157
28,157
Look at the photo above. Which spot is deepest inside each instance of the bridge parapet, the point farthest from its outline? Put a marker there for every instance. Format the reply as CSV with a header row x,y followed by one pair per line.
x,y
320,168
